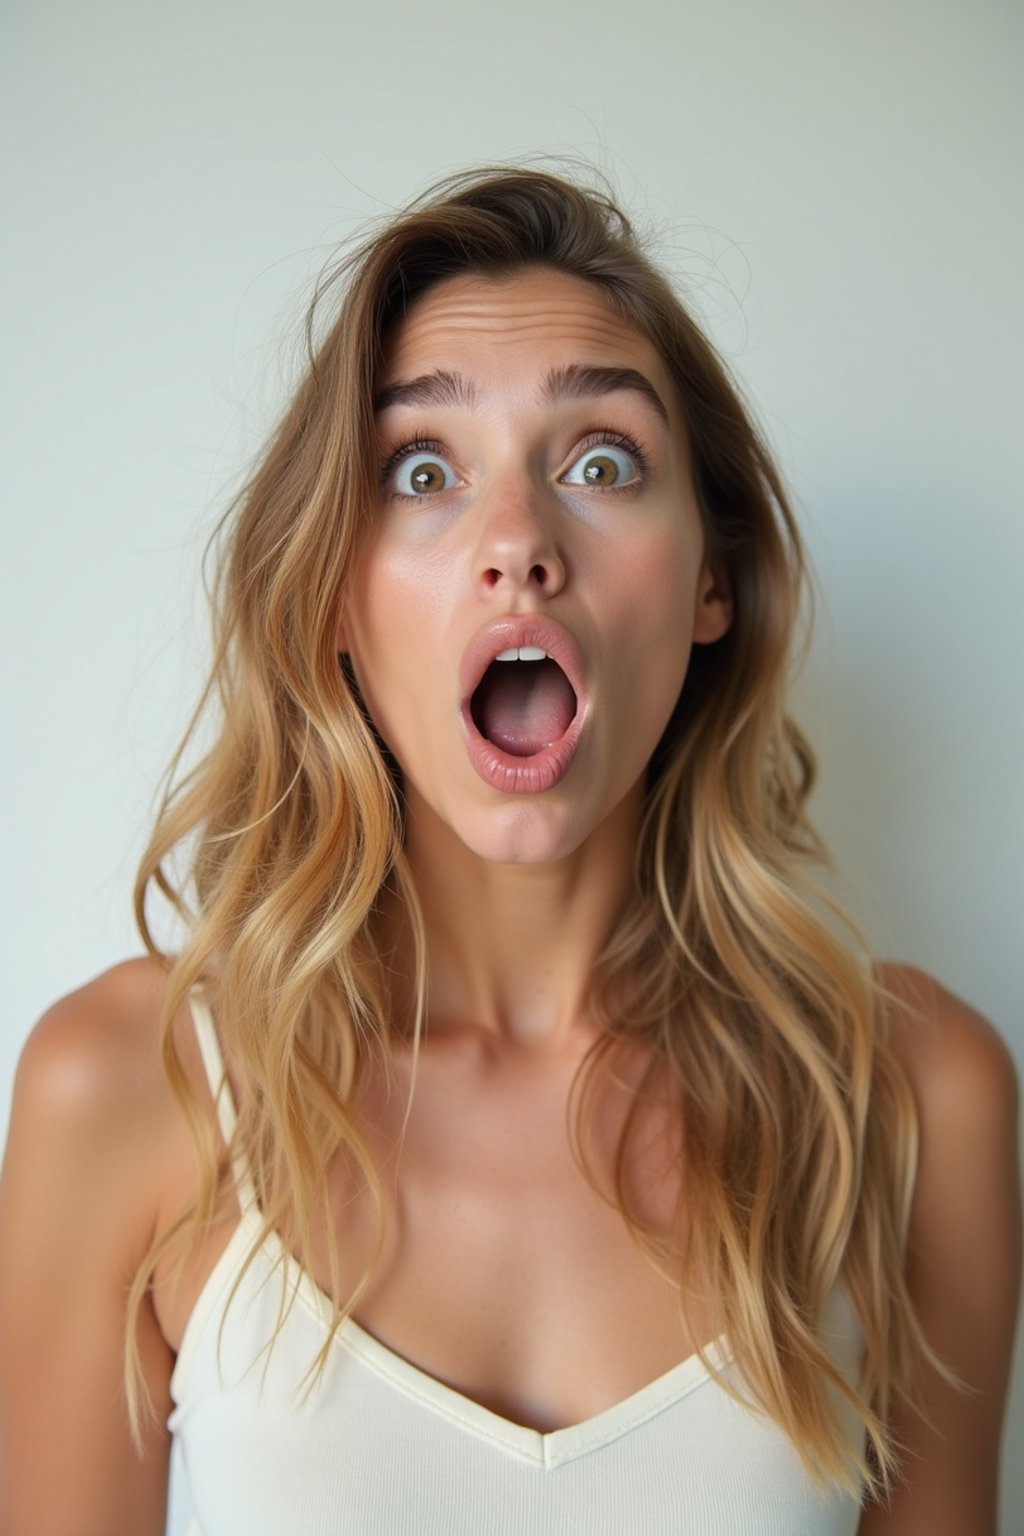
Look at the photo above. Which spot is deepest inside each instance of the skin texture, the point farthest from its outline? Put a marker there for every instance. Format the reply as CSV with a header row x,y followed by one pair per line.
x,y
99,1157
964,1259
623,571
621,568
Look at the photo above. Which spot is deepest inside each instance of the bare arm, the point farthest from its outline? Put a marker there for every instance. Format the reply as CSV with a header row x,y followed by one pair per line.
x,y
964,1263
77,1211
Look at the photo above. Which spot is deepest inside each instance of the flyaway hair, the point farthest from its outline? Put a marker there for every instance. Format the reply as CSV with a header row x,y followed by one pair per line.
x,y
766,1026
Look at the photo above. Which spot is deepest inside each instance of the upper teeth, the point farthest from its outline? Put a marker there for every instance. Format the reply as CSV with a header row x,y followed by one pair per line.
x,y
522,653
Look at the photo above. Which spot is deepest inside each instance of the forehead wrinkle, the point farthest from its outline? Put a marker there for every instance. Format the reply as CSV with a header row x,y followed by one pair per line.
x,y
510,312
471,317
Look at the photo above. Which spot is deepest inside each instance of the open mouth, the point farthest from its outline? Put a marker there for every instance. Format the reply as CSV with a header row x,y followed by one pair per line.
x,y
524,702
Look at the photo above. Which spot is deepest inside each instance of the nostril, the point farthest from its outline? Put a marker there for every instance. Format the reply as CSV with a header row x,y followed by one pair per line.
x,y
541,574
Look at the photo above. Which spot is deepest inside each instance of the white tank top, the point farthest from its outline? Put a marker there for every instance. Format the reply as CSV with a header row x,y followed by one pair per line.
x,y
379,1448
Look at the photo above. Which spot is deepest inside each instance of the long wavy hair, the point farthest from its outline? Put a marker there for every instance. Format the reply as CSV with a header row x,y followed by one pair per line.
x,y
753,1003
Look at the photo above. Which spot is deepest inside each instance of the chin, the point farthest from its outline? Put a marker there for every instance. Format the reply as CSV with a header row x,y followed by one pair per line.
x,y
524,833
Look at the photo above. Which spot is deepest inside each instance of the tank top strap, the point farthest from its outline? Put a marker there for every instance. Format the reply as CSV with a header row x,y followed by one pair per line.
x,y
220,1089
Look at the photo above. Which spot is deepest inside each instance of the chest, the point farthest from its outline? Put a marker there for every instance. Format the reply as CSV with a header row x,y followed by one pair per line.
x,y
382,1448
507,1275
504,1273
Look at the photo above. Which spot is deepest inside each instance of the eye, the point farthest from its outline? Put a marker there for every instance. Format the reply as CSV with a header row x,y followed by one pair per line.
x,y
416,472
607,466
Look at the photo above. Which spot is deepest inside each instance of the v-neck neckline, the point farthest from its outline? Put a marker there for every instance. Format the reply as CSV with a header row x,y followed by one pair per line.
x,y
547,1449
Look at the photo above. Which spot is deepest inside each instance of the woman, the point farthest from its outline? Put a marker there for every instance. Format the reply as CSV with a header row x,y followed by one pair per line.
x,y
525,1152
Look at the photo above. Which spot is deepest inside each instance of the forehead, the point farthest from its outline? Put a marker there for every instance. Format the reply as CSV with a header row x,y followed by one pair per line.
x,y
530,321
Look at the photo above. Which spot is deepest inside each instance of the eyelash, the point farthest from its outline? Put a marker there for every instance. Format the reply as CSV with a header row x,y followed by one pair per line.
x,y
612,437
600,437
416,444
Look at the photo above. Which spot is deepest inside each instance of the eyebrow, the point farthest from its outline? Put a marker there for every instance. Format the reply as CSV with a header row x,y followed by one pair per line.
x,y
577,381
438,388
581,382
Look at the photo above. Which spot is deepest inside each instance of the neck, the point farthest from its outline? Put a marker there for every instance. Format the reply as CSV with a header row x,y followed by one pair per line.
x,y
511,948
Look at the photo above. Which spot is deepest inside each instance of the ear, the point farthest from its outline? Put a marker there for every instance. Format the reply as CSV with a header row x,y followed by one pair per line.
x,y
714,606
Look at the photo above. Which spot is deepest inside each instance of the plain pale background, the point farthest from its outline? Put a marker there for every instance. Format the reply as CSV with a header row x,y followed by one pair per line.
x,y
836,187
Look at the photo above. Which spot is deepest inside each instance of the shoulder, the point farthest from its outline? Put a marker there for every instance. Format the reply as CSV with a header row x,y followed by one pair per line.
x,y
91,1099
98,1040
965,1088
91,1066
959,1068
963,1259
93,1134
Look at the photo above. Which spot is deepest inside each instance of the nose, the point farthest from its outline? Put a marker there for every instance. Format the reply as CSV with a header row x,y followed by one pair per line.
x,y
518,548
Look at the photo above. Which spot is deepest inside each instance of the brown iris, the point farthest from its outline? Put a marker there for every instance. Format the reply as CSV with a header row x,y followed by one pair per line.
x,y
427,477
601,470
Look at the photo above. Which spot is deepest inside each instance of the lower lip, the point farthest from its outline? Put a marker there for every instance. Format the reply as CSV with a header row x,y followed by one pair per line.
x,y
521,775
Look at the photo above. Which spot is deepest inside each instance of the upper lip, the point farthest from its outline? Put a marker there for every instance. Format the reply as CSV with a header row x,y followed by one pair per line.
x,y
529,629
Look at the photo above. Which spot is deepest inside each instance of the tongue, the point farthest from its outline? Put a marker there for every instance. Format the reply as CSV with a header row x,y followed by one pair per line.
x,y
522,706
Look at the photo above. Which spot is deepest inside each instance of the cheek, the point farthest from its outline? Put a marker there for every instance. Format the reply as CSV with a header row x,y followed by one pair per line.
x,y
657,597
389,625
397,589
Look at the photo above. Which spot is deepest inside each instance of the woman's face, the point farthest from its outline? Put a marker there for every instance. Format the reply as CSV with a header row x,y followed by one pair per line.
x,y
536,497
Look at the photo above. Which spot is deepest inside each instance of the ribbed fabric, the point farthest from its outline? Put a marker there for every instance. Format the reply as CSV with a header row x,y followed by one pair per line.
x,y
379,1448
